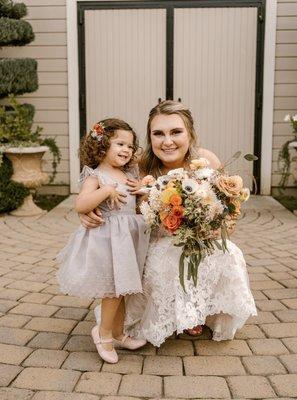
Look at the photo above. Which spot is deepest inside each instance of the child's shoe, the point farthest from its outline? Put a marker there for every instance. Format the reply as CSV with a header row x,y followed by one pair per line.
x,y
109,356
129,343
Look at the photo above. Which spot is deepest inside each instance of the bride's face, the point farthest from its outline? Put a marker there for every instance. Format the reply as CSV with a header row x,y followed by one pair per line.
x,y
170,139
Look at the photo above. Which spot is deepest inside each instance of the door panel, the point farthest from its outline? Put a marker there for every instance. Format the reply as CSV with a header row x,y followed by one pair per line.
x,y
215,73
125,64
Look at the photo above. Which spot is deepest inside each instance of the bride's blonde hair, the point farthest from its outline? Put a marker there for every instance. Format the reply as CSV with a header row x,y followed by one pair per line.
x,y
149,162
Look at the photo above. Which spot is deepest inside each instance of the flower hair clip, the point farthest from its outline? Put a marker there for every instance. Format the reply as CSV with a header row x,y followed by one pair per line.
x,y
98,131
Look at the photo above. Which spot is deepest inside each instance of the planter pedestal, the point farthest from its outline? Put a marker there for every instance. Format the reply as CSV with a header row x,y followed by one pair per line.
x,y
27,170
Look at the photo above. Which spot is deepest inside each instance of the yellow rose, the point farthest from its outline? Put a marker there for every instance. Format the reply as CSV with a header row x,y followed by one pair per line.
x,y
244,194
199,163
166,195
231,186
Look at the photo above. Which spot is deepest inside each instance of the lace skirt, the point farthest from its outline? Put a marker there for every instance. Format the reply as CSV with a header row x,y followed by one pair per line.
x,y
222,299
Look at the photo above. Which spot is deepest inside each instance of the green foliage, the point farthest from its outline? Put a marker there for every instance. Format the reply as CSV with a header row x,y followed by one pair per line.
x,y
10,10
12,194
54,149
15,125
15,32
284,158
18,76
16,131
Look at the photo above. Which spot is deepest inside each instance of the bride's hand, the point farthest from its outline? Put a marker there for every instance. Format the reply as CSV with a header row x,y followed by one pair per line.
x,y
92,219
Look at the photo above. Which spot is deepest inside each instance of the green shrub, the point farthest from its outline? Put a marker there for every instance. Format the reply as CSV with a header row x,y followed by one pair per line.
x,y
10,10
18,76
15,32
12,194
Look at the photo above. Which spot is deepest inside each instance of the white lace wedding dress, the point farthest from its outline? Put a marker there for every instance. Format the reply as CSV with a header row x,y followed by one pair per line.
x,y
222,299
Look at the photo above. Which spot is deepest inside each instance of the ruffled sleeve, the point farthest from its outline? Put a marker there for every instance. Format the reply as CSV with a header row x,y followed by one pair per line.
x,y
87,171
133,171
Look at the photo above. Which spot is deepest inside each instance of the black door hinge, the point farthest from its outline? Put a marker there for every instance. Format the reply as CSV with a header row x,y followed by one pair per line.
x,y
261,13
81,17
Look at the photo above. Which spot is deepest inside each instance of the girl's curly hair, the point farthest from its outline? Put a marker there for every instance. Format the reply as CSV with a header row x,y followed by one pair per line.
x,y
92,151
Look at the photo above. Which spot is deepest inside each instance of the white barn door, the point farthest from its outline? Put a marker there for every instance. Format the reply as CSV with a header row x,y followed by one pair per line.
x,y
125,52
215,75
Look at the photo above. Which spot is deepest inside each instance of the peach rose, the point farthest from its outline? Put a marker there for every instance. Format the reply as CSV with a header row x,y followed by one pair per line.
x,y
148,180
172,223
231,186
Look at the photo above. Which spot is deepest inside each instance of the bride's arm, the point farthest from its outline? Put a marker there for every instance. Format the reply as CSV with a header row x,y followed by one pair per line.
x,y
210,156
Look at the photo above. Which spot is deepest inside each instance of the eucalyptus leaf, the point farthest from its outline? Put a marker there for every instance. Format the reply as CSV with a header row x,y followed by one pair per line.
x,y
250,157
182,271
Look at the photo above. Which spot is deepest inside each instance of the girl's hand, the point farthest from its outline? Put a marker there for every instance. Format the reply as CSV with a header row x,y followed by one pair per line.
x,y
93,219
116,199
135,186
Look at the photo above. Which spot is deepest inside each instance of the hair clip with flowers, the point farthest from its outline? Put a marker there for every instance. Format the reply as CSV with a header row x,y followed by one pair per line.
x,y
98,131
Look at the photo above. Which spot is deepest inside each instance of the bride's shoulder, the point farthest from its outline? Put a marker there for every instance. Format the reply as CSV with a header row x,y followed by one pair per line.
x,y
210,156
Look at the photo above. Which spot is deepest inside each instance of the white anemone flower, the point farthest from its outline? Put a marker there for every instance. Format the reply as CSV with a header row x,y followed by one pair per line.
x,y
287,118
163,180
294,117
204,173
190,186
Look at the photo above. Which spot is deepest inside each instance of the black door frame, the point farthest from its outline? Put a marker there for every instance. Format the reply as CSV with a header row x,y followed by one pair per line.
x,y
169,6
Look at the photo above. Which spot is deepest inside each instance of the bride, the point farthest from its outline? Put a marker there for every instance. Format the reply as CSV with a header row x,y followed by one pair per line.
x,y
222,299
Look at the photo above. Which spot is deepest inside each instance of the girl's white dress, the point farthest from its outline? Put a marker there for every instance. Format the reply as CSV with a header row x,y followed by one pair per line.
x,y
222,299
106,261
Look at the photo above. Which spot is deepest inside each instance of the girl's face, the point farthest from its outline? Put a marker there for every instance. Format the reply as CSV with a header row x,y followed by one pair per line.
x,y
120,150
170,139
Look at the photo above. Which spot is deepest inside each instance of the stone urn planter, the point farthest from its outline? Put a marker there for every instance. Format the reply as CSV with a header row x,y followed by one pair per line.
x,y
27,169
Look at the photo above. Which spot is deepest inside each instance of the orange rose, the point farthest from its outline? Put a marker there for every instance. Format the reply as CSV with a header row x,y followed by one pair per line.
x,y
175,200
178,211
172,223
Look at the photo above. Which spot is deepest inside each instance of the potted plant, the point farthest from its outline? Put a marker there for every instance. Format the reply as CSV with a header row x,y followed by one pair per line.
x,y
24,147
284,157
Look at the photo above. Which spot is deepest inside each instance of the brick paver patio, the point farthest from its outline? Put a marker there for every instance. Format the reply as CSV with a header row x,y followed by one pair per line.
x,y
46,352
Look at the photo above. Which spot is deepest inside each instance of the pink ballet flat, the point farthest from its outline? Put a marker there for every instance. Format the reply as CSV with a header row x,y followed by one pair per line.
x,y
129,343
109,356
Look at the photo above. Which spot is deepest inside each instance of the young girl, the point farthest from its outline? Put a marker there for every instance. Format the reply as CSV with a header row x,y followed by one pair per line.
x,y
107,262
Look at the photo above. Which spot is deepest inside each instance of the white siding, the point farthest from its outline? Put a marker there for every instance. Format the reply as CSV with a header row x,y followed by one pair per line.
x,y
215,62
125,64
285,100
48,19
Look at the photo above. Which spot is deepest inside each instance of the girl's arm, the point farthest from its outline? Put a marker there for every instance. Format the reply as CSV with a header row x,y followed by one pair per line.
x,y
91,195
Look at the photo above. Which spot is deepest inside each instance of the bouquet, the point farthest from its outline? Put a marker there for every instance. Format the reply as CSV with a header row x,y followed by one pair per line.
x,y
193,206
